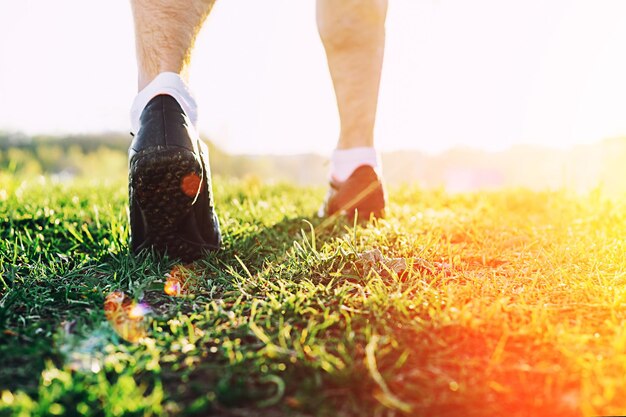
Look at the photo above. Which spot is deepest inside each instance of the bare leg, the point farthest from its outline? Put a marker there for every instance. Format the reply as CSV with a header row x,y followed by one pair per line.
x,y
170,196
353,34
165,32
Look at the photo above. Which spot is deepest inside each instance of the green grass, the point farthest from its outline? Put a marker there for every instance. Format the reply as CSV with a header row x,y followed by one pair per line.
x,y
513,303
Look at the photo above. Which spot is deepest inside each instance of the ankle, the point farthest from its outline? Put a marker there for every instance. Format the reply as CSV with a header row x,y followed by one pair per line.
x,y
344,162
168,83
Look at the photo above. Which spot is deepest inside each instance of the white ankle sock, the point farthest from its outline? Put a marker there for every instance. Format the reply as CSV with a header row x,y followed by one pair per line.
x,y
343,162
168,83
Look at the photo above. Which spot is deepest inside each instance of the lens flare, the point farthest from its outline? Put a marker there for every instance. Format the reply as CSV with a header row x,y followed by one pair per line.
x,y
138,311
179,281
190,184
172,287
128,319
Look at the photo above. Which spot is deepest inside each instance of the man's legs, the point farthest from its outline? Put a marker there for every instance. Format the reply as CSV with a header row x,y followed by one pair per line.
x,y
171,208
353,34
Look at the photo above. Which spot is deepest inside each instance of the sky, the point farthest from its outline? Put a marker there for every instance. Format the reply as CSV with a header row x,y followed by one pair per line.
x,y
486,74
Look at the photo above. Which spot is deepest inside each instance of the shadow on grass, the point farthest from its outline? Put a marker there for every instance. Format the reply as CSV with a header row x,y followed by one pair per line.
x,y
55,293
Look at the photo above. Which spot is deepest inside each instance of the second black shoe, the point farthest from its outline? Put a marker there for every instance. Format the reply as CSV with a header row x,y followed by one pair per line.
x,y
171,203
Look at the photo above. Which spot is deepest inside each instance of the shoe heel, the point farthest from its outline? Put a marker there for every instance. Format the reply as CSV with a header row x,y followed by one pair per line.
x,y
164,186
373,204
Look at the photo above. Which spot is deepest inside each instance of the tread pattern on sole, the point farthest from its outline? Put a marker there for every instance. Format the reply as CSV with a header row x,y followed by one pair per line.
x,y
160,181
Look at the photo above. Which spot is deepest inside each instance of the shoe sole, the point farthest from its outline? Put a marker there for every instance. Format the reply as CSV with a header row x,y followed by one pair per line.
x,y
165,184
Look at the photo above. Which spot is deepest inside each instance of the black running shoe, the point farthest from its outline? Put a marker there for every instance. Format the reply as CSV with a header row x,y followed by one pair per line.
x,y
171,204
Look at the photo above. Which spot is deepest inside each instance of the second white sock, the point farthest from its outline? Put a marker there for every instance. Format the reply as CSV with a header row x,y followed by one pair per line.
x,y
343,162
